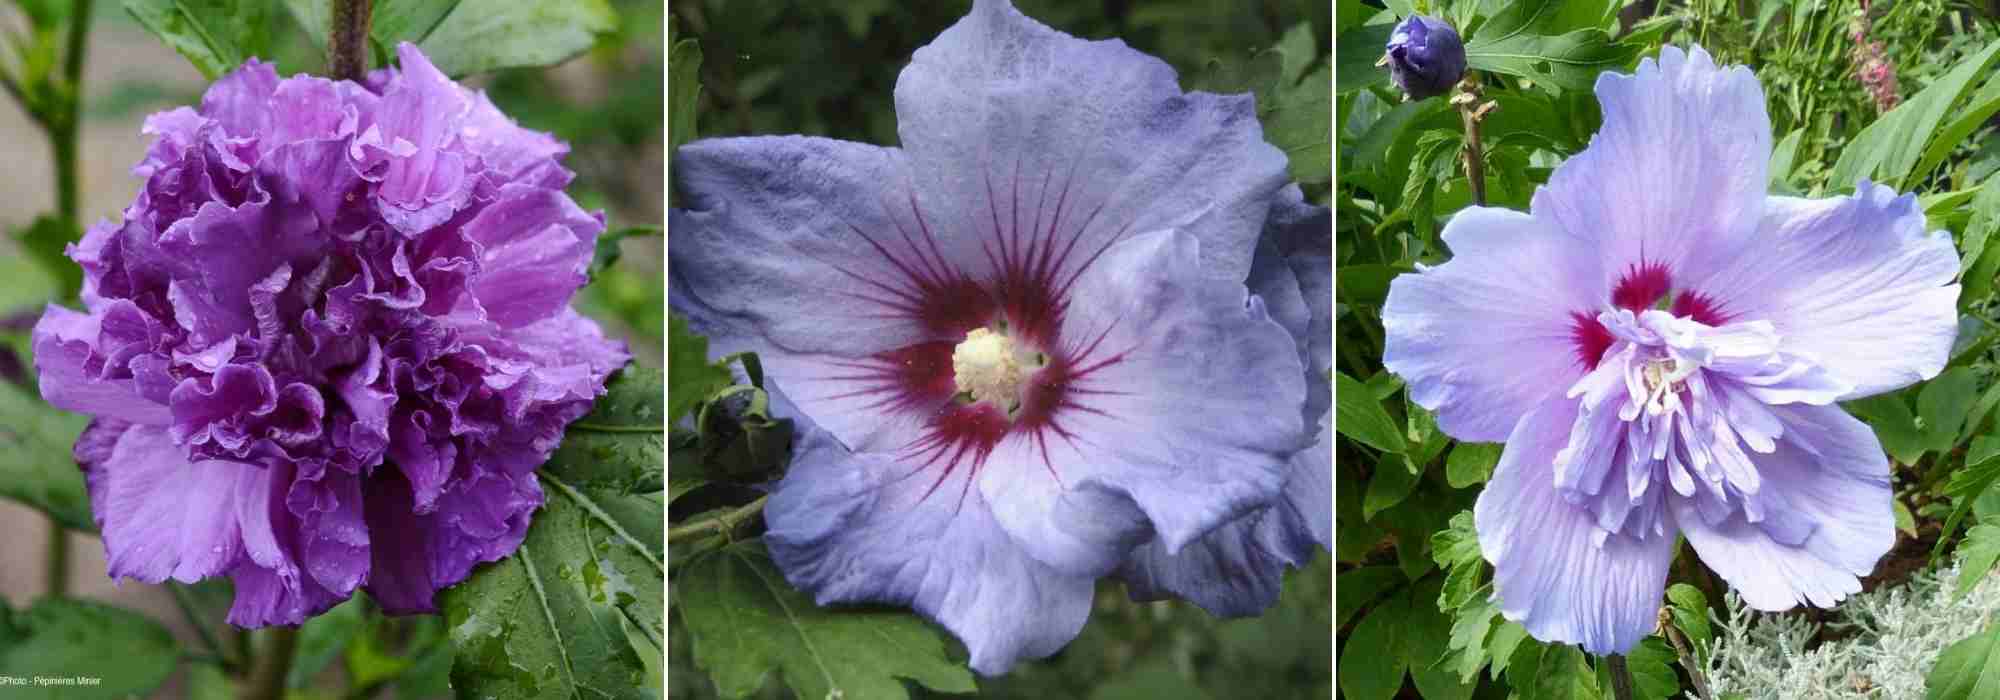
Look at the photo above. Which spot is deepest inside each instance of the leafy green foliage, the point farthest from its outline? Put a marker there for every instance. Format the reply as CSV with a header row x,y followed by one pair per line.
x,y
747,624
463,37
691,377
66,638
38,469
215,35
1982,549
1967,670
1888,150
551,620
1540,41
620,446
1358,415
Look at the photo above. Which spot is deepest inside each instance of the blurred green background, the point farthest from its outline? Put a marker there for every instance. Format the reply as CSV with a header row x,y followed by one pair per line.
x,y
829,69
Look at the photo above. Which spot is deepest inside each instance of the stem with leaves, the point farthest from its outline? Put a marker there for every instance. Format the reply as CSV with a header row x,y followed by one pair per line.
x,y
1471,111
347,47
1696,674
60,124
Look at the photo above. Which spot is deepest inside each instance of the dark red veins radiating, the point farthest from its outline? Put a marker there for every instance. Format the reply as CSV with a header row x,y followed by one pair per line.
x,y
1641,287
1034,253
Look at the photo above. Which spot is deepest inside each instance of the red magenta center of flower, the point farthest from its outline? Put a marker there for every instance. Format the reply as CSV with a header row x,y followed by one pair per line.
x,y
1643,286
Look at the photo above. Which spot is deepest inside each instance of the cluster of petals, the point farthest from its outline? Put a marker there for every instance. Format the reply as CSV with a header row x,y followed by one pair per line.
x,y
1661,344
1076,326
329,342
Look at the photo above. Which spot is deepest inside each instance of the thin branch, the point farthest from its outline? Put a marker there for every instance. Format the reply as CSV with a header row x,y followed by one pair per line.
x,y
347,46
725,523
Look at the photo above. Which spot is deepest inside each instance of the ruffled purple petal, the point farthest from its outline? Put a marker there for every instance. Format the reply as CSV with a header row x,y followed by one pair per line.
x,y
1001,109
1554,570
1675,178
316,279
1854,283
1825,515
1508,292
855,528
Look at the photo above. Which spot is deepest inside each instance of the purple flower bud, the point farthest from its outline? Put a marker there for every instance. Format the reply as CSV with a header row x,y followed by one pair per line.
x,y
329,343
1425,57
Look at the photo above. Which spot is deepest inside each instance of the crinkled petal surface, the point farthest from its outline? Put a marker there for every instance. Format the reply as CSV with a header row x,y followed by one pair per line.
x,y
1503,294
1855,283
329,342
1001,109
1549,573
1677,174
1828,470
853,528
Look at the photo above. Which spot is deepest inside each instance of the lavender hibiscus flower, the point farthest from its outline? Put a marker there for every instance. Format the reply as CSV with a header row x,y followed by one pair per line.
x,y
1024,338
330,341
1661,344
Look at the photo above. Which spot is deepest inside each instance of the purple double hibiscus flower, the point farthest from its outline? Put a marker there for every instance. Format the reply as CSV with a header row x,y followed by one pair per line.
x,y
330,341
1076,326
1661,344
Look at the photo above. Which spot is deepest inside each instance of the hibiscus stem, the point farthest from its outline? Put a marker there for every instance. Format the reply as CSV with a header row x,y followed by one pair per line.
x,y
725,523
1471,112
58,559
1688,661
347,47
274,663
185,601
1621,677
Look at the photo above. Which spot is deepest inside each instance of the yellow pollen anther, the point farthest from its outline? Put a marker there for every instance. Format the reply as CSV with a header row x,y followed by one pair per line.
x,y
985,367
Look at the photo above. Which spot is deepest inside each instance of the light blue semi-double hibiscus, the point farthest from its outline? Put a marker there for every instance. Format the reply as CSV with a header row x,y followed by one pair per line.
x,y
1077,326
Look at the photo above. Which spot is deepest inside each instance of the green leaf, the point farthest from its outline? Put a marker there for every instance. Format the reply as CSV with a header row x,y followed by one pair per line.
x,y
1359,415
1652,667
1537,40
1980,271
620,446
1428,641
745,623
1980,471
608,251
1943,405
215,35
1471,626
1888,150
1355,51
1373,660
1392,484
1784,158
1300,123
44,240
1895,425
1471,463
472,36
38,469
683,96
1981,549
549,620
1969,669
1361,586
128,653
322,639
207,681
1689,609
1977,111
1560,672
1456,550
691,377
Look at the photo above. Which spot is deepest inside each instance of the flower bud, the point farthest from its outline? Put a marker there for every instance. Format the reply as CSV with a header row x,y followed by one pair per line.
x,y
1425,57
